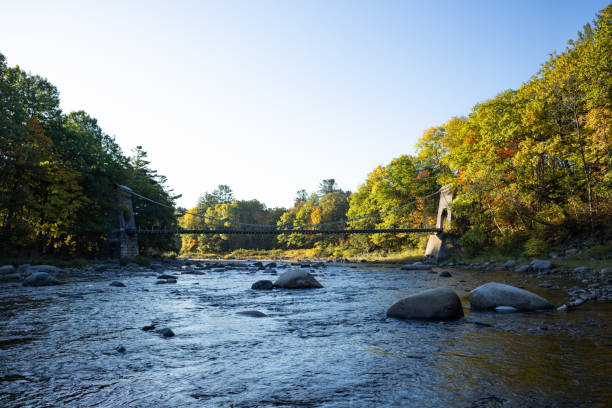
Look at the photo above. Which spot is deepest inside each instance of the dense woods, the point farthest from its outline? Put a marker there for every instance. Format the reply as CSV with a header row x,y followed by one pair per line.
x,y
529,168
57,189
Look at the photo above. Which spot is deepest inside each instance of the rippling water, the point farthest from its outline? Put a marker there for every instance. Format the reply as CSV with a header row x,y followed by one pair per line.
x,y
324,347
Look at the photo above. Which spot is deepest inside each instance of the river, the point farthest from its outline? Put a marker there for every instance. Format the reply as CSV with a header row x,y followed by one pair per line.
x,y
330,347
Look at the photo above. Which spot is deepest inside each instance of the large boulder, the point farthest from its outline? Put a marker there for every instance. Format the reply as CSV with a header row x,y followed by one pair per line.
x,y
40,279
297,279
493,294
431,304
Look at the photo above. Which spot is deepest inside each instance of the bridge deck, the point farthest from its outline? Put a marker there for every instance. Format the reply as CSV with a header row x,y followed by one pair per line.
x,y
286,231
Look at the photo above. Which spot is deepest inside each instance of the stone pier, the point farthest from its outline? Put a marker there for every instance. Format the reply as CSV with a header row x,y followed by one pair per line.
x,y
435,245
128,238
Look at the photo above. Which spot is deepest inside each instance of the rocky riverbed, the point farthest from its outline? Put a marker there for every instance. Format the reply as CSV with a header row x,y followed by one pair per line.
x,y
195,333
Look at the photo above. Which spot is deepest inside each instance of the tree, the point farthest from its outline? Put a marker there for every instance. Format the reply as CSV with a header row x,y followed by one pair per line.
x,y
327,186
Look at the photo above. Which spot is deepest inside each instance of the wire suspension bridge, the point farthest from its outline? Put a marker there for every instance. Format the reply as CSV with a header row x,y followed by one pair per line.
x,y
286,228
128,231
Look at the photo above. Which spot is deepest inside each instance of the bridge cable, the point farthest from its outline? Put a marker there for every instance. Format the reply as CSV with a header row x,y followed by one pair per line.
x,y
289,227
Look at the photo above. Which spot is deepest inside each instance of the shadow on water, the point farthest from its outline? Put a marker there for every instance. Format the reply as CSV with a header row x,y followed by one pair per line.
x,y
327,347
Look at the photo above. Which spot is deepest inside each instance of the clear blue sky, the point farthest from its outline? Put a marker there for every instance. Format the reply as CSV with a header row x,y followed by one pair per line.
x,y
273,96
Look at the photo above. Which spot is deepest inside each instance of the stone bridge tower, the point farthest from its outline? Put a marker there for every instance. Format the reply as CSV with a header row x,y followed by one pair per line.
x,y
435,245
128,238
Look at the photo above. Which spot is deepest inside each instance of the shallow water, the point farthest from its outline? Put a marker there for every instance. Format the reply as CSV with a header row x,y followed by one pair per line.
x,y
331,347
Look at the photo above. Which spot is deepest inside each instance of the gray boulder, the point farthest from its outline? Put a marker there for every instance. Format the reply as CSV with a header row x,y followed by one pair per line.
x,y
541,265
263,285
493,294
7,269
297,279
432,304
40,279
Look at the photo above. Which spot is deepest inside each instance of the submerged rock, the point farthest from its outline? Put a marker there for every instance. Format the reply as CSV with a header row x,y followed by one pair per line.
x,y
40,279
252,313
432,304
263,285
297,279
493,294
149,327
164,276
120,349
117,284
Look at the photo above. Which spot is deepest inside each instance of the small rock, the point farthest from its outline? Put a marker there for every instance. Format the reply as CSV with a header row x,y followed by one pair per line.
x,y
271,265
257,264
541,265
7,270
263,285
23,269
521,269
40,279
415,267
149,327
545,285
509,264
46,268
12,277
252,313
166,332
120,349
582,269
445,274
164,276
117,284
